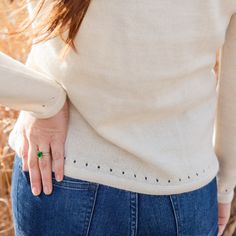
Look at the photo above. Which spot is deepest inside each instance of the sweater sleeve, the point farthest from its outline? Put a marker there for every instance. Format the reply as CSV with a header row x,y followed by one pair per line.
x,y
225,122
23,88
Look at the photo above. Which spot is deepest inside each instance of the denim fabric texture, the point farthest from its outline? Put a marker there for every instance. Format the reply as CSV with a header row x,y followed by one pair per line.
x,y
79,207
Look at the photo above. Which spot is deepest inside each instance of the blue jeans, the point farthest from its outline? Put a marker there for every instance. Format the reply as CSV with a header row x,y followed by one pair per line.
x,y
79,207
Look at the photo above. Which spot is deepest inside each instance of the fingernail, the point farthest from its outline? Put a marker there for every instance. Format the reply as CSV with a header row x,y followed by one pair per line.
x,y
59,177
35,191
46,190
25,167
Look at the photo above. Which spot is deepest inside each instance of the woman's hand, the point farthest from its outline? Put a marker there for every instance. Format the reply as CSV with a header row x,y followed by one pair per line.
x,y
223,216
47,135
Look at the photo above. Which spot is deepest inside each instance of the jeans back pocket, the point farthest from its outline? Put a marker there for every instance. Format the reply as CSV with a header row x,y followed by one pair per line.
x,y
197,210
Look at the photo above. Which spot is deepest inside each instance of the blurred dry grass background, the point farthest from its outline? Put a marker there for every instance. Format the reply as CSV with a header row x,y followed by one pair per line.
x,y
18,47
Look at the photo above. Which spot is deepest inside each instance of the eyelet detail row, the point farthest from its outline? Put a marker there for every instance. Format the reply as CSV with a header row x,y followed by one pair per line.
x,y
145,177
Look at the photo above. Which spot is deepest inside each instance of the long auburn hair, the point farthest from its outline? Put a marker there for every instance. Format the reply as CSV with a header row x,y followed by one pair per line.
x,y
64,15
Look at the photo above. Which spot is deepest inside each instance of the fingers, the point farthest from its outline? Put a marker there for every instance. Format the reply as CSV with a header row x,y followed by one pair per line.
x,y
34,172
45,167
223,216
221,230
222,221
57,149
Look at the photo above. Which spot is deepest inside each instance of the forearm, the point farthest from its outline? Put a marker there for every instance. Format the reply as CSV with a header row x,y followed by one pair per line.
x,y
23,88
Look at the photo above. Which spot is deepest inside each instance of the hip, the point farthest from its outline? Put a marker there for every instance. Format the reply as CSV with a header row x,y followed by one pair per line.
x,y
80,207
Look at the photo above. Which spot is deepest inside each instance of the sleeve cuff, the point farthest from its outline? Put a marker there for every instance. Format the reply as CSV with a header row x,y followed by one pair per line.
x,y
225,189
51,109
225,197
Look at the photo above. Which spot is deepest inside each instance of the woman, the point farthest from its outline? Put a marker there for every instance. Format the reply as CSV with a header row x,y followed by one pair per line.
x,y
134,139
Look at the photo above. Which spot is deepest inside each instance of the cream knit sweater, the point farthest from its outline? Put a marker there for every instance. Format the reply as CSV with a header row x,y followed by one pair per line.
x,y
143,95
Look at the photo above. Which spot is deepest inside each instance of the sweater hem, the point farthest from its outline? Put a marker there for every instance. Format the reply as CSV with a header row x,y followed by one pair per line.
x,y
139,187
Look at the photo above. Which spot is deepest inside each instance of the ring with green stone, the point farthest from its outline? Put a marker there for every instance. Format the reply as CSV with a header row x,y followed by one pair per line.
x,y
40,154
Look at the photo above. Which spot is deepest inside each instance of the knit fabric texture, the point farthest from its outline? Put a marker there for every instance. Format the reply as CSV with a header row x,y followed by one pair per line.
x,y
146,111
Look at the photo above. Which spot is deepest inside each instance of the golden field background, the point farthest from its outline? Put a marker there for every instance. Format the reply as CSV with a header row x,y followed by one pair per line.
x,y
18,48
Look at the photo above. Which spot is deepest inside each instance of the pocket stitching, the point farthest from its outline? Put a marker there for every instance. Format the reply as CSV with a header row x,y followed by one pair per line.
x,y
71,181
93,207
72,188
175,214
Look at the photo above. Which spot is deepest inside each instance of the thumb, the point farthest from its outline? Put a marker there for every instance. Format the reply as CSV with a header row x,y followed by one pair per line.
x,y
24,151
